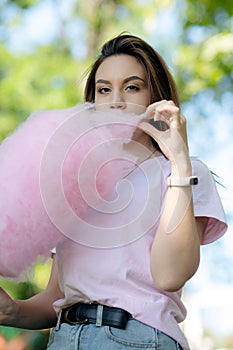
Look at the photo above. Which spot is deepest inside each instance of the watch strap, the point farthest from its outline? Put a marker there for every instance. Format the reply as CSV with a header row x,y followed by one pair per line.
x,y
182,181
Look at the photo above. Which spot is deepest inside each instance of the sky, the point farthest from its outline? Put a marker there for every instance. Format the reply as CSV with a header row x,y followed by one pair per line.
x,y
39,27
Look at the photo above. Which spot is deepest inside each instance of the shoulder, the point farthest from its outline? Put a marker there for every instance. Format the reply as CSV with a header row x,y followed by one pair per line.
x,y
207,182
199,166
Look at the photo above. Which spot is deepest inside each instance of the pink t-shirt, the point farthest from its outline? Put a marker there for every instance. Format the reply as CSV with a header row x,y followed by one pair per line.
x,y
120,276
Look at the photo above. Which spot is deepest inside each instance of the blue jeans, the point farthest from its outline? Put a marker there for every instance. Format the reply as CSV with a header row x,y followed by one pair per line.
x,y
90,337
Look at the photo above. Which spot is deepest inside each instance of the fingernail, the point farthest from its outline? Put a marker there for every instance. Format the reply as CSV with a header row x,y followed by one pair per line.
x,y
143,115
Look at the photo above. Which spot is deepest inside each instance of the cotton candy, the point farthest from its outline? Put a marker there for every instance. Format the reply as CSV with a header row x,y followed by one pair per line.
x,y
41,164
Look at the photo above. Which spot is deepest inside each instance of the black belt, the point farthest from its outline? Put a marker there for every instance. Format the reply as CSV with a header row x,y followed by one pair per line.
x,y
95,313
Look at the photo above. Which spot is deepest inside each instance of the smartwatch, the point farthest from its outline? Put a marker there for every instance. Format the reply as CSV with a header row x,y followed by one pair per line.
x,y
182,181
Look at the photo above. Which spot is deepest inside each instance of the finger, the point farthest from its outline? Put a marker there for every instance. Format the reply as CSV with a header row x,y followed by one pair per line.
x,y
168,110
160,123
171,115
155,133
153,128
162,110
151,109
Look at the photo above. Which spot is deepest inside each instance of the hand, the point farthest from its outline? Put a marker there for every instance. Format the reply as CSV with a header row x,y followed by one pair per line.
x,y
7,307
173,141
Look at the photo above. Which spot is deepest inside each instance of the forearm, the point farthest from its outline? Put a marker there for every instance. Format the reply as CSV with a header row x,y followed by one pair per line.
x,y
34,313
175,252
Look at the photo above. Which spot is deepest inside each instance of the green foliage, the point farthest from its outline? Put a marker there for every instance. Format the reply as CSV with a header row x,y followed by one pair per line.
x,y
18,339
23,4
205,55
111,17
209,13
50,77
47,79
205,65
34,340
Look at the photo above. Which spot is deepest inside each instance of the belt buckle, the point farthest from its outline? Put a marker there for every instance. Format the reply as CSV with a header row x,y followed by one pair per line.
x,y
66,314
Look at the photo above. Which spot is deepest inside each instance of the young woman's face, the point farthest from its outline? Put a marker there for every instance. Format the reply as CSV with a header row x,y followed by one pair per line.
x,y
121,82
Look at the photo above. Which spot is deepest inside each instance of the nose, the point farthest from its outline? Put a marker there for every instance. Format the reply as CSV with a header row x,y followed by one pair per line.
x,y
118,101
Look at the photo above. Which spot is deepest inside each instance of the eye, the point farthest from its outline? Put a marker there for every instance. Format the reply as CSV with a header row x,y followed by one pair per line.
x,y
103,90
132,88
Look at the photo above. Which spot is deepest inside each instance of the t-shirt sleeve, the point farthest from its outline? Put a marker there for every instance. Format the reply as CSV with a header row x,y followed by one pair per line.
x,y
207,202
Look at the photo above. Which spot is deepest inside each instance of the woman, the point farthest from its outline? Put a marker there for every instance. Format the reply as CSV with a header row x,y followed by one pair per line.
x,y
129,296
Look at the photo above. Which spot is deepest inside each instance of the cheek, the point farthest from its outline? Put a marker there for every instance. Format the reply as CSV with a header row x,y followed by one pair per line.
x,y
147,98
140,99
101,105
101,97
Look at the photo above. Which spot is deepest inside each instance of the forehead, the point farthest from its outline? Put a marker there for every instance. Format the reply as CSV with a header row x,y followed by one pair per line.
x,y
120,66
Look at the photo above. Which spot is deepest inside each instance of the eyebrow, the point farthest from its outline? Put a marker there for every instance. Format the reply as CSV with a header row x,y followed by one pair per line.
x,y
126,80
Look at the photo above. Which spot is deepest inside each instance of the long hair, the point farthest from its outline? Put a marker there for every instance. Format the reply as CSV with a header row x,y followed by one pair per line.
x,y
160,81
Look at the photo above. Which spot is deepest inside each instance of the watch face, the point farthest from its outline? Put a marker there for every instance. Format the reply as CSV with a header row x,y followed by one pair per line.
x,y
194,181
159,124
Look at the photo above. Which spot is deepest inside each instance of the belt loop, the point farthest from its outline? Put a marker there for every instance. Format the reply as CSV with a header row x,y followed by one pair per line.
x,y
58,320
99,315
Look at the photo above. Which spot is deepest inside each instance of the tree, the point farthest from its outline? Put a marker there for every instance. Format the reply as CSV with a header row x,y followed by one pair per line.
x,y
49,74
205,55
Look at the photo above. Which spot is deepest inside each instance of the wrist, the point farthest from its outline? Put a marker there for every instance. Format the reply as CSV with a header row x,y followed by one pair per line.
x,y
181,168
182,181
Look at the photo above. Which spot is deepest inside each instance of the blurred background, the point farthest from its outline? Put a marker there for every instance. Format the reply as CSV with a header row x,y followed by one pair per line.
x,y
47,45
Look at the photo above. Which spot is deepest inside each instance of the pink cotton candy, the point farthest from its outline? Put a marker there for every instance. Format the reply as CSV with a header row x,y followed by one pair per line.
x,y
54,149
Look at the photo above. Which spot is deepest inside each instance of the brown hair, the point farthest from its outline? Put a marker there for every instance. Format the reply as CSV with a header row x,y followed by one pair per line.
x,y
160,80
